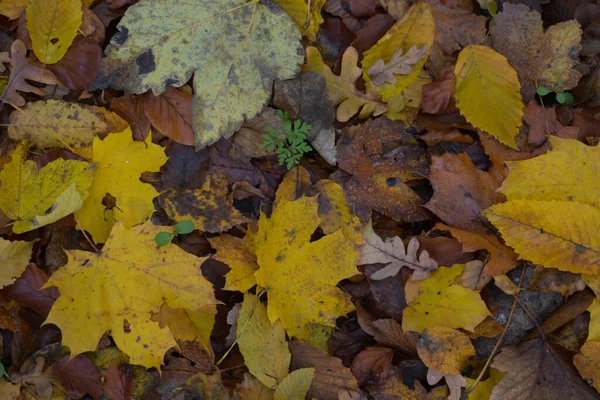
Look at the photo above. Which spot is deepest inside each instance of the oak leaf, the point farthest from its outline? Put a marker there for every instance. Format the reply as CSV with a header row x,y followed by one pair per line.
x,y
125,283
342,89
52,26
393,253
445,350
236,49
441,301
399,64
14,258
55,123
21,71
416,28
497,108
119,163
35,198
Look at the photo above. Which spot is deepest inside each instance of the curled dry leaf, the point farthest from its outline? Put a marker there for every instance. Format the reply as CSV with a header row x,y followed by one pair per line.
x,y
22,70
400,64
371,365
393,253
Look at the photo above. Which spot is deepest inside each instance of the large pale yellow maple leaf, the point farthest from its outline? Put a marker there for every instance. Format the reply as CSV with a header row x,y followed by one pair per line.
x,y
119,163
122,286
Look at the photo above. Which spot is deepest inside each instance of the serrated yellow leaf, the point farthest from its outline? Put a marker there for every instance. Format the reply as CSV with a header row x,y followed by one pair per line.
x,y
240,256
555,234
14,258
235,48
445,350
33,199
440,300
568,172
188,325
124,284
416,28
53,25
488,93
12,8
302,292
262,344
119,163
307,23
56,123
295,385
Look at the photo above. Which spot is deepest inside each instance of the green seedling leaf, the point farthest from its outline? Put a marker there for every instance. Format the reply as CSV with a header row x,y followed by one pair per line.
x,y
184,227
542,91
162,239
565,98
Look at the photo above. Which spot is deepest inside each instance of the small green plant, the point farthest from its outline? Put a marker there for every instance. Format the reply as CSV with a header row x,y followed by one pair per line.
x,y
565,98
291,145
182,228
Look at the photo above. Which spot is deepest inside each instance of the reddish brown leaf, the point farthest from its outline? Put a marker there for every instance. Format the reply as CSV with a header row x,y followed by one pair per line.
x,y
27,293
330,375
119,381
374,29
78,68
361,8
446,251
119,3
371,365
79,376
438,96
171,114
131,109
185,169
542,122
553,280
387,295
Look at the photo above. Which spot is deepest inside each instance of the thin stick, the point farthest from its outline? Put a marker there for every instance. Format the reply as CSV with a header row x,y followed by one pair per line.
x,y
85,234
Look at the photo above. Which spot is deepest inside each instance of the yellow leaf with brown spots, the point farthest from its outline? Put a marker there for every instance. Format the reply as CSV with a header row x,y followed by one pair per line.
x,y
209,207
300,276
119,163
445,349
124,284
441,300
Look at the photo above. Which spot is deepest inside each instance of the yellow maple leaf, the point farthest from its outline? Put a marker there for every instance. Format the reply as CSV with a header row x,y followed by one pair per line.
x,y
119,163
308,23
240,255
416,28
555,234
188,325
14,258
487,93
33,199
262,344
441,301
301,276
444,349
124,284
53,25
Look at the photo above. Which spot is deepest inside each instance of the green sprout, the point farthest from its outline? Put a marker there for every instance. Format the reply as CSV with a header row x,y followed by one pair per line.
x,y
182,228
291,145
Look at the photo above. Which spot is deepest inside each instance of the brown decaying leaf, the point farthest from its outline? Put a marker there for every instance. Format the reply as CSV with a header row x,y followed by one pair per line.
x,y
249,137
78,68
185,169
553,280
542,122
538,370
334,7
473,276
21,70
447,251
460,191
4,59
361,8
438,96
131,109
371,32
386,298
119,381
330,375
400,64
371,365
79,376
27,292
393,388
92,28
171,114
387,332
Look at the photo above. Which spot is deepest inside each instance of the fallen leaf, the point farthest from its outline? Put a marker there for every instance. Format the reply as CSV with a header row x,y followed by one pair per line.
x,y
552,280
13,8
240,256
55,123
361,8
416,28
456,27
27,291
118,381
455,383
330,375
53,25
406,105
119,162
251,388
587,362
393,253
295,385
209,206
302,294
249,137
541,59
441,301
228,88
79,66
371,365
543,123
484,388
498,107
21,71
79,376
262,344
445,350
171,114
342,89
539,369
14,258
393,388
132,109
461,191
438,96
307,20
473,276
35,198
98,294
399,64
380,161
